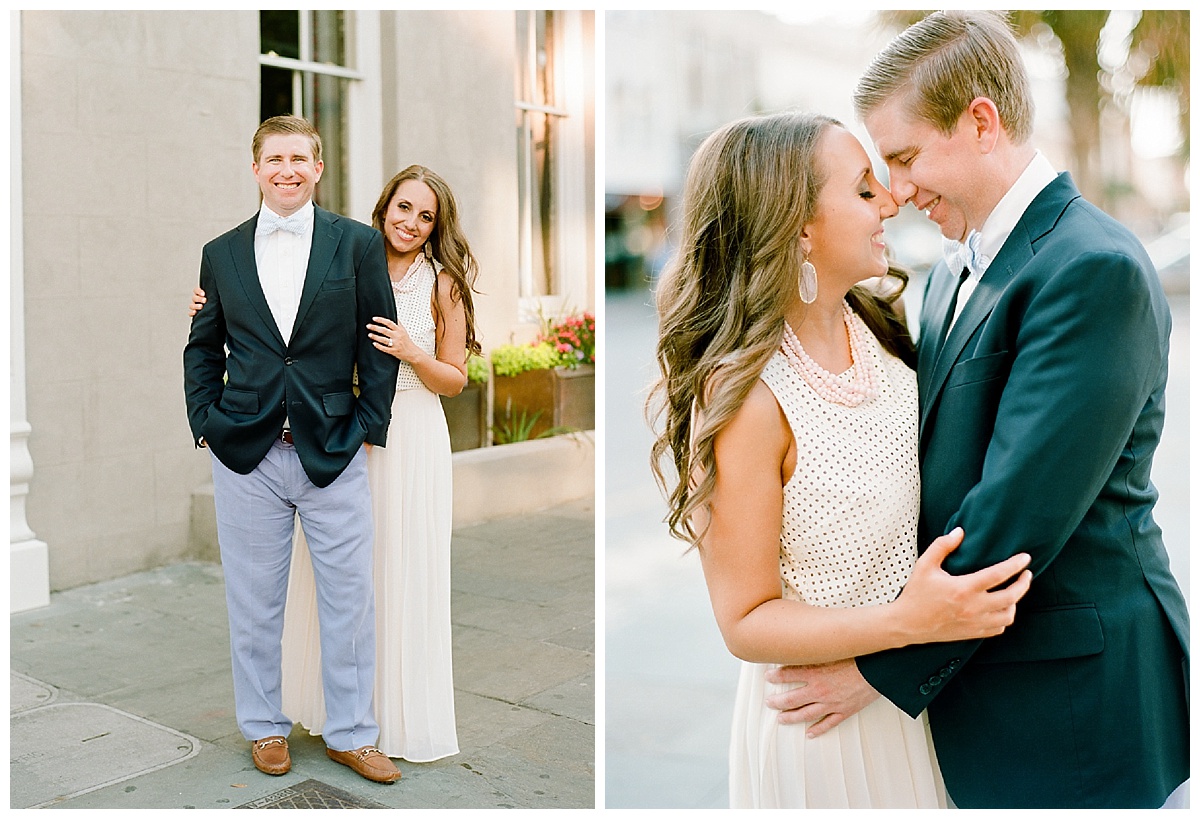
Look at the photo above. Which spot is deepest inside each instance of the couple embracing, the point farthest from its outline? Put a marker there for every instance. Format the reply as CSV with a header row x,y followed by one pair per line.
x,y
940,564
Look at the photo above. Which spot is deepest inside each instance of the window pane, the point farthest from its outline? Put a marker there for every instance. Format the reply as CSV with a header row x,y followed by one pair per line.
x,y
329,40
543,227
326,97
279,32
545,57
546,155
276,94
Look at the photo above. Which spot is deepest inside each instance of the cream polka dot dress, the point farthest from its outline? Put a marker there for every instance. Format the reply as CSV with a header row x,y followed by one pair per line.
x,y
848,539
414,294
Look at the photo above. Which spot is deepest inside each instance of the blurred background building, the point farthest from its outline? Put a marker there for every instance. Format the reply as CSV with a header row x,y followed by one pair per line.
x,y
1111,91
130,137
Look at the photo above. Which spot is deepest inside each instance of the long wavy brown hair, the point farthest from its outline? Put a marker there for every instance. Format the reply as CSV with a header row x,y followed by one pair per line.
x,y
751,186
447,243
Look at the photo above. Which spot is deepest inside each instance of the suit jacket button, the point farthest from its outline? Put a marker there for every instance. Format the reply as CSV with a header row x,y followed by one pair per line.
x,y
287,361
924,688
935,680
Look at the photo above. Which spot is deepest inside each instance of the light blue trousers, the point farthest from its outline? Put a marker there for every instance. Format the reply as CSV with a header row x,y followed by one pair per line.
x,y
256,516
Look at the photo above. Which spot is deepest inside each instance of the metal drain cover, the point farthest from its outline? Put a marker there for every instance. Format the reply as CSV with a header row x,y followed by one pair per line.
x,y
312,794
72,748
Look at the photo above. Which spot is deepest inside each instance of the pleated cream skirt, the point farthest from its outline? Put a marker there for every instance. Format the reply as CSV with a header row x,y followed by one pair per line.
x,y
411,488
877,758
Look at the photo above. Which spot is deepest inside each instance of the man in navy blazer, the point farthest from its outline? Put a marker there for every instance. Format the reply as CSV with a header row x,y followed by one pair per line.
x,y
269,373
1042,364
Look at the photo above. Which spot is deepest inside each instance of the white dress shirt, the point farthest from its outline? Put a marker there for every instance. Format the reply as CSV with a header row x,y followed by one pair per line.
x,y
282,259
1002,220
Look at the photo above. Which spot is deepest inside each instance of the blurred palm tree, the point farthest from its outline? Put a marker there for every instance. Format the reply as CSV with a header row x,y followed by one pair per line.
x,y
1161,41
1157,55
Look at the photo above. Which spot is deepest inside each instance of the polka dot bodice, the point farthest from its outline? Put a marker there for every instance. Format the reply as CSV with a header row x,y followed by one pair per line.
x,y
850,508
414,310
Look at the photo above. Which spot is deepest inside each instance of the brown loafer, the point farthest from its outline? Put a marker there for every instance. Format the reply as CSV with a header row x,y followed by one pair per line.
x,y
367,761
270,755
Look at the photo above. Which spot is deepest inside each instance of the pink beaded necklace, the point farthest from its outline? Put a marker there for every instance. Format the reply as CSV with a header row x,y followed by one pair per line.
x,y
852,393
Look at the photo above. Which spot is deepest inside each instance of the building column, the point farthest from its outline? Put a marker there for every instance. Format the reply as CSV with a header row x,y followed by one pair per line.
x,y
29,558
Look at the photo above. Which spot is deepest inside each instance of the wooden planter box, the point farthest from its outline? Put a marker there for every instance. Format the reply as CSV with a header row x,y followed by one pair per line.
x,y
466,416
565,398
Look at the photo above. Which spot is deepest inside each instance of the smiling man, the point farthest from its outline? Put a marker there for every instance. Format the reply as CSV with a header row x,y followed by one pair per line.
x,y
269,375
1042,364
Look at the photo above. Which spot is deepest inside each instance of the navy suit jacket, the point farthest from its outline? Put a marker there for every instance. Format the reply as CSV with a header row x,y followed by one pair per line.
x,y
1038,421
308,379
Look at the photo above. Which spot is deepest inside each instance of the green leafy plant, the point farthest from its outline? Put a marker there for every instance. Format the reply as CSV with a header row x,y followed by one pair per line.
x,y
514,430
477,369
514,359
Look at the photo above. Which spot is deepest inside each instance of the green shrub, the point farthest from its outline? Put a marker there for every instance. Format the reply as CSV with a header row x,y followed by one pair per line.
x,y
477,369
514,359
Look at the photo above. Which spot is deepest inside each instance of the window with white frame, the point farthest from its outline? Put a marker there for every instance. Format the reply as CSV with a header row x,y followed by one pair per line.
x,y
551,161
304,71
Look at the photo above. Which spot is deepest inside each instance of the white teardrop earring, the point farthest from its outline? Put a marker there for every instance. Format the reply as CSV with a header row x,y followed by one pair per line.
x,y
808,282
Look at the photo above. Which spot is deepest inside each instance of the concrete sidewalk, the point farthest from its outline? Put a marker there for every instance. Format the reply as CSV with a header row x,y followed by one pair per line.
x,y
121,694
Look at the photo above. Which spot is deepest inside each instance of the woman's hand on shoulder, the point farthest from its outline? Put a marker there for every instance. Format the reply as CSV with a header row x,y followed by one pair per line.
x,y
936,606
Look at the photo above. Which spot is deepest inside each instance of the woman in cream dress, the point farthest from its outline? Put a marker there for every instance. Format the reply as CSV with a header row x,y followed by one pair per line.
x,y
432,273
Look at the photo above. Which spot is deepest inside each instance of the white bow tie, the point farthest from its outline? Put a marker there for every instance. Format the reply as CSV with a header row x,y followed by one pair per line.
x,y
959,254
269,222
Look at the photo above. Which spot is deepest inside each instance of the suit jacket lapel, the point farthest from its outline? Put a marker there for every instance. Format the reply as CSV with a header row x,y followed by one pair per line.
x,y
247,270
1038,220
978,307
933,309
326,237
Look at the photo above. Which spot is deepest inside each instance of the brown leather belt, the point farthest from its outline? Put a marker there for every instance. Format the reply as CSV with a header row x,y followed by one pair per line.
x,y
286,437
